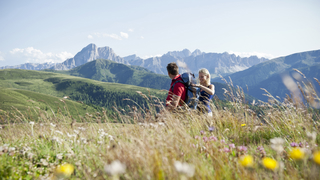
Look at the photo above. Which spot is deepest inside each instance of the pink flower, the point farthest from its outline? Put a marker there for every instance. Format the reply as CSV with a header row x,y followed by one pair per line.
x,y
212,138
197,137
205,139
227,150
294,144
242,148
232,146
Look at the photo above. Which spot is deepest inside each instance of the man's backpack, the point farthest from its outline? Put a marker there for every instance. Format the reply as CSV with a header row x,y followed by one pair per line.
x,y
193,93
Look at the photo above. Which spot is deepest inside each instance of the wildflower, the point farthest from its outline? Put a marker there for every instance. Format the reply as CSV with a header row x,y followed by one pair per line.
x,y
296,154
184,168
197,137
212,138
211,129
223,141
262,151
246,161
242,125
64,170
232,146
276,144
205,139
242,148
115,168
227,150
202,132
294,144
31,123
316,157
44,162
269,163
53,125
59,156
312,136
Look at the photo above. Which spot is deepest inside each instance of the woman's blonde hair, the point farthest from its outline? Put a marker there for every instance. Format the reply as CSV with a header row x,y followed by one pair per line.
x,y
206,72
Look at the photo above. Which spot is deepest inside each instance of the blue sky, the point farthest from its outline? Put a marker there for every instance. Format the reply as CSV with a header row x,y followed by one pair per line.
x,y
43,31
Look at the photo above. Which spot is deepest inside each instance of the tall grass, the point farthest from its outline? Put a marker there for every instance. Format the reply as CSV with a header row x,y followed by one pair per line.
x,y
232,144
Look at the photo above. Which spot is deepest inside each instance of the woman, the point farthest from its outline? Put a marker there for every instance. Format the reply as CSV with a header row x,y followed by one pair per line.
x,y
206,90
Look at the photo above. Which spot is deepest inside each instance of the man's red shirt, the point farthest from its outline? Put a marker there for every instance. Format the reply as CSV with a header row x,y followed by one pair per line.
x,y
179,90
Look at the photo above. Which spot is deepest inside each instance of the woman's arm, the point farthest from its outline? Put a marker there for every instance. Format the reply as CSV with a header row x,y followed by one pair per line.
x,y
209,90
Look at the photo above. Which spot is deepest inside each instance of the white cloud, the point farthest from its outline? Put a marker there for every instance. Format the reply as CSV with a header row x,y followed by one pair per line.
x,y
32,55
130,30
90,36
248,54
124,35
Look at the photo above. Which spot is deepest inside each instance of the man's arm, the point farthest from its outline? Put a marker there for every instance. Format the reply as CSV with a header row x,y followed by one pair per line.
x,y
173,103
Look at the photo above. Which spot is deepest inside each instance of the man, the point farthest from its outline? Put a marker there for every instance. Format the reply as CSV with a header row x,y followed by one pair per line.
x,y
177,94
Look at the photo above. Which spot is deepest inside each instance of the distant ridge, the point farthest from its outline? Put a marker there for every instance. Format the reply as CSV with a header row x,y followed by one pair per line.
x,y
216,63
269,74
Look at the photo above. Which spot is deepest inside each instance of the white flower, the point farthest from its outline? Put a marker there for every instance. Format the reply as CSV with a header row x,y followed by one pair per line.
x,y
44,162
277,144
71,135
31,123
110,137
312,136
84,140
59,156
81,128
115,168
184,168
53,125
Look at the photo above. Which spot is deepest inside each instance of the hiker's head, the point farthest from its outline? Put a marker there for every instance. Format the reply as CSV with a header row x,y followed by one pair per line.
x,y
204,76
173,69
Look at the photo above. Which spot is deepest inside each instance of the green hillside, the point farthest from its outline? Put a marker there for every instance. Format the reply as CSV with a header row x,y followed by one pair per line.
x,y
260,72
30,103
96,93
275,86
268,74
110,71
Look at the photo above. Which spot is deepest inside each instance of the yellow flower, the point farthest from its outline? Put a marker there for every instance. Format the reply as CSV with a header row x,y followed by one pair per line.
x,y
316,157
246,161
269,163
296,154
65,170
243,125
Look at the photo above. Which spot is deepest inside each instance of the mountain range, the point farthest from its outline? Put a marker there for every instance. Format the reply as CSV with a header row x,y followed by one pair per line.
x,y
219,63
271,74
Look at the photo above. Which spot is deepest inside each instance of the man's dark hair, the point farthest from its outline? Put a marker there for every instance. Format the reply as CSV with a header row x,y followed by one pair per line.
x,y
173,68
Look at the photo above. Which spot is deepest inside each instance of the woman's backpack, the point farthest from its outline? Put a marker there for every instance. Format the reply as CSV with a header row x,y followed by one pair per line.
x,y
193,93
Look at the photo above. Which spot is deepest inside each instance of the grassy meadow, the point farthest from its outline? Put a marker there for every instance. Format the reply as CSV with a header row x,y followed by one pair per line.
x,y
281,142
24,89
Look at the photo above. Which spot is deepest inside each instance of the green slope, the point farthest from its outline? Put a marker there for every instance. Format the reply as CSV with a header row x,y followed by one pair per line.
x,y
89,91
268,74
260,72
275,86
13,101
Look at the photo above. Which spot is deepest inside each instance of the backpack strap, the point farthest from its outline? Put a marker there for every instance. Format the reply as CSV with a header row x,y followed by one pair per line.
x,y
180,81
